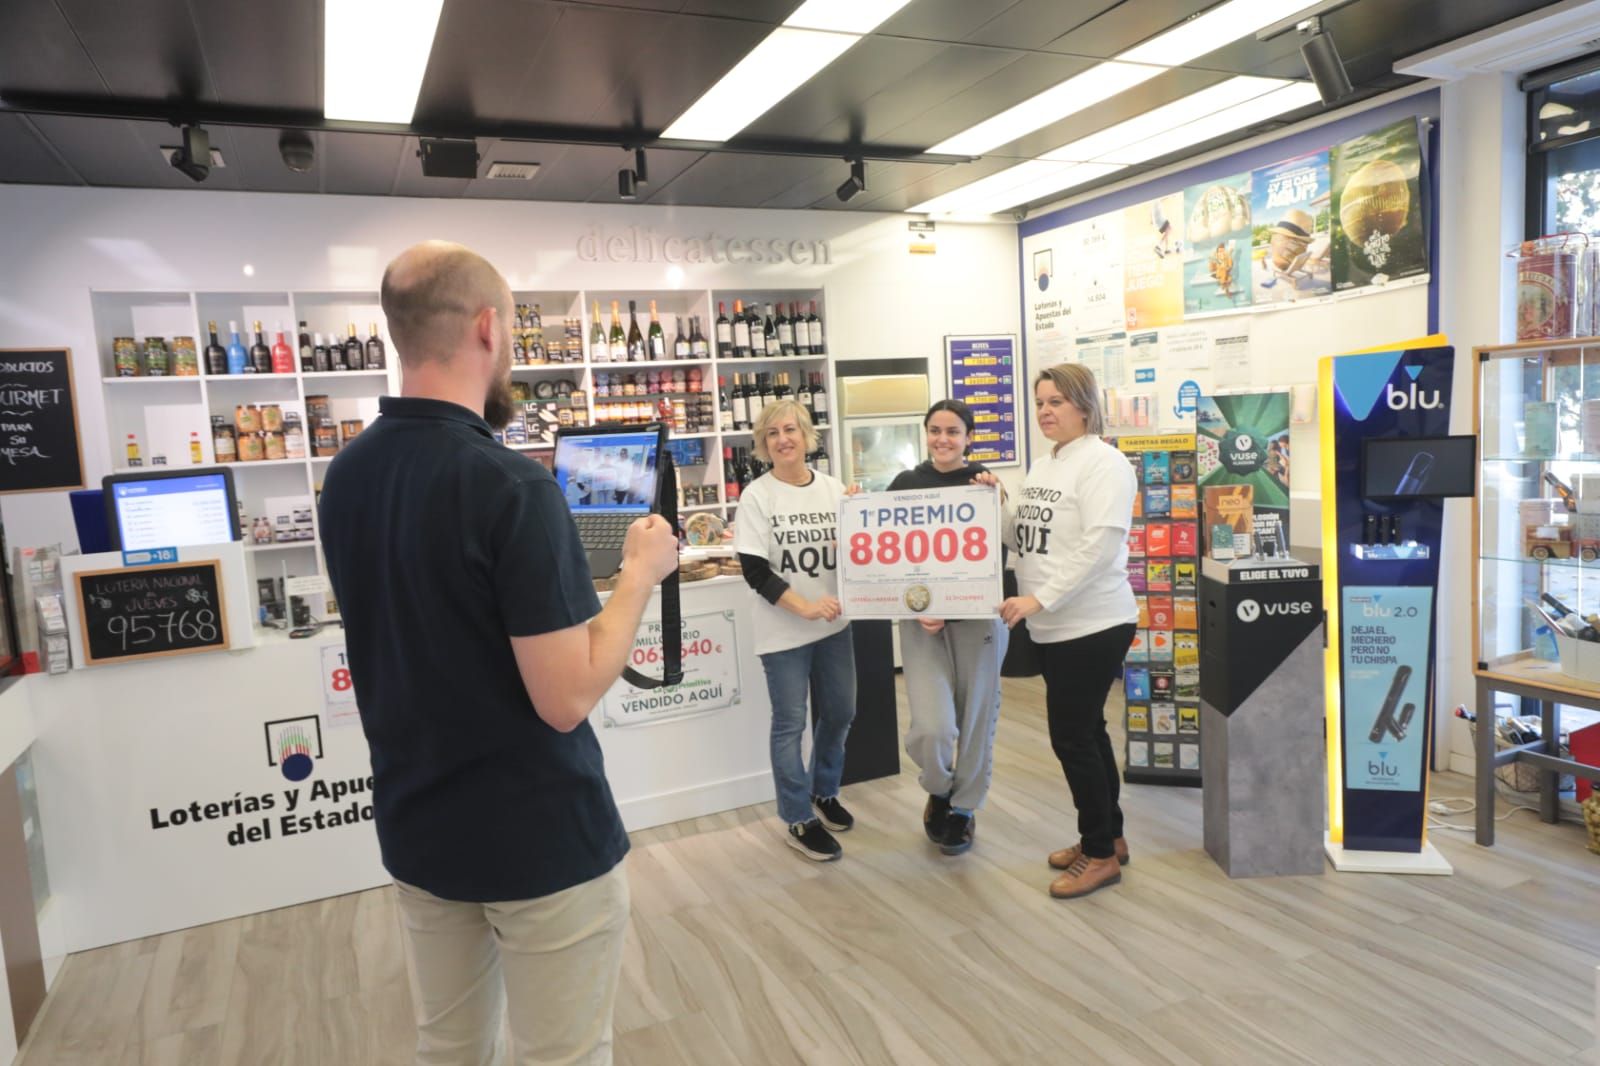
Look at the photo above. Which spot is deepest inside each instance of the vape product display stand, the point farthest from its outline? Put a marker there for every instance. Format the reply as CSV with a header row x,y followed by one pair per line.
x,y
1261,677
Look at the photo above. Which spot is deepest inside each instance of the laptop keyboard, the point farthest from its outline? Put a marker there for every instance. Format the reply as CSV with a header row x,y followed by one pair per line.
x,y
603,530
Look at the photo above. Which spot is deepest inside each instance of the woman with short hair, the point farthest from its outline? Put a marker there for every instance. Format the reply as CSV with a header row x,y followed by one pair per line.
x,y
786,534
1069,527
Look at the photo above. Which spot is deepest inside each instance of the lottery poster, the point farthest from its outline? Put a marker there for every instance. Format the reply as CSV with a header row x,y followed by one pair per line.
x,y
921,553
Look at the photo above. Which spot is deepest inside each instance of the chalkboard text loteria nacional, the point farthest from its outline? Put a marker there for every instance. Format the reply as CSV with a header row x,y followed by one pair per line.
x,y
642,244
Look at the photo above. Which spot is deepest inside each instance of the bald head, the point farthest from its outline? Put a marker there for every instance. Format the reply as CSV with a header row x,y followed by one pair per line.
x,y
433,292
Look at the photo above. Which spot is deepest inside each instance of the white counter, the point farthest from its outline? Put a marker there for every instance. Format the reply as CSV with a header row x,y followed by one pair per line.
x,y
156,778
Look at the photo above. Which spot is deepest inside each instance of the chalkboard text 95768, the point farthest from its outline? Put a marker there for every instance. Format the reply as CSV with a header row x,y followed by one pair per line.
x,y
138,612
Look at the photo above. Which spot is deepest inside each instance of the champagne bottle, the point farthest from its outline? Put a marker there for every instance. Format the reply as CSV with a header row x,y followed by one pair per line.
x,y
307,360
282,357
376,357
741,331
216,354
656,338
599,351
724,332
698,348
355,356
680,340
619,339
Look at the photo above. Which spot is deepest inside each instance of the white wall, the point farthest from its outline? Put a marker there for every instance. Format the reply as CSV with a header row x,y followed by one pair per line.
x,y
882,301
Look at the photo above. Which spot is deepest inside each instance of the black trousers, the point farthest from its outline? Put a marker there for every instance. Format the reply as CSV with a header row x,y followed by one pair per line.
x,y
1078,675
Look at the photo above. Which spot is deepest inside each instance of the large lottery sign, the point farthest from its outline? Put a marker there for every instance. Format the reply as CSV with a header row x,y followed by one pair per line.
x,y
920,553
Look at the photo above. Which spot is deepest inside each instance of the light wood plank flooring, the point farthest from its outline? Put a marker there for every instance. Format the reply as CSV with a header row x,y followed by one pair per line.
x,y
742,953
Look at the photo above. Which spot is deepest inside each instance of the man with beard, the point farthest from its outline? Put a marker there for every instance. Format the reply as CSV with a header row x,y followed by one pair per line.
x,y
478,648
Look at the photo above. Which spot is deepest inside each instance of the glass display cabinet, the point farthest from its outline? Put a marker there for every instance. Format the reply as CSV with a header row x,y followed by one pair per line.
x,y
1536,561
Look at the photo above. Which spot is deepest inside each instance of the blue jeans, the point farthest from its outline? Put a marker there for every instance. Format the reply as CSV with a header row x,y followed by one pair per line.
x,y
826,669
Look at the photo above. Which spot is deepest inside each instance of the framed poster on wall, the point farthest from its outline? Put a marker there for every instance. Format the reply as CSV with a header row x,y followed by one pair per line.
x,y
983,375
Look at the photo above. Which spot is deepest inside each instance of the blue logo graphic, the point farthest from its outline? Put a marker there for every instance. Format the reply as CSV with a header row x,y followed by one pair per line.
x,y
1360,380
1414,371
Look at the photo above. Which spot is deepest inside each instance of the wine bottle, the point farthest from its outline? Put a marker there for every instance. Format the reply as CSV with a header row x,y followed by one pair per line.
x,y
320,360
803,394
216,354
377,359
814,331
619,339
785,333
307,362
599,351
355,354
1568,497
260,354
724,332
653,342
730,475
770,329
819,399
802,331
698,348
780,391
680,340
822,465
741,331
758,333
741,404
764,389
282,357
724,406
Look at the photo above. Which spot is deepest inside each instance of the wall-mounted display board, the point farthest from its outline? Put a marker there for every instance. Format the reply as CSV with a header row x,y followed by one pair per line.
x,y
1162,676
39,439
983,375
146,612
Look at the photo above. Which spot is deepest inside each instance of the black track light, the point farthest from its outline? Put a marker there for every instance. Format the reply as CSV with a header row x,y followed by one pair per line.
x,y
192,158
1323,63
627,184
856,182
640,173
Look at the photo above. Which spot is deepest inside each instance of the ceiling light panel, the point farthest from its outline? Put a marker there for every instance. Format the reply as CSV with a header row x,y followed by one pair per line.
x,y
843,16
1197,105
1073,95
1039,188
991,187
776,67
374,56
1291,97
1206,33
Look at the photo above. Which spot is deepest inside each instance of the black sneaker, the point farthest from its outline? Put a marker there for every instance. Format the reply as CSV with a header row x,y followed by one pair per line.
x,y
814,842
958,831
934,812
833,814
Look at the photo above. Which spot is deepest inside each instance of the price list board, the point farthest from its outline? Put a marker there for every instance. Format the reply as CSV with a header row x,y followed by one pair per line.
x,y
1162,675
983,375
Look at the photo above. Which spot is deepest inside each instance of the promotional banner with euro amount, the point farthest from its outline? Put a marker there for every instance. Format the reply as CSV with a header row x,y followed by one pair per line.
x,y
710,673
920,553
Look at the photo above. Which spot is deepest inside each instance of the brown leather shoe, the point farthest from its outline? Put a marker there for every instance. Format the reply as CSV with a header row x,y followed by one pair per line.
x,y
1064,858
1085,876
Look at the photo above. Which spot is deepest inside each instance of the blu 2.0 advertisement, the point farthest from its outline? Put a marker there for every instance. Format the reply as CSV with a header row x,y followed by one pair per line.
x,y
1385,651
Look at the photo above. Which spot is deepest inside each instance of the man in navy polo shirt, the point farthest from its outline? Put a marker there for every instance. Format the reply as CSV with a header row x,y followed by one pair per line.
x,y
478,648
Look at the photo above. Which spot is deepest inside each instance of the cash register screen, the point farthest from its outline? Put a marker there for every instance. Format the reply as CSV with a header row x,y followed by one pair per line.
x,y
173,512
604,472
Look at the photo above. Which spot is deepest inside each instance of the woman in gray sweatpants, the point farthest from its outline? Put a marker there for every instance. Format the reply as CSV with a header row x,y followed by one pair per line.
x,y
952,668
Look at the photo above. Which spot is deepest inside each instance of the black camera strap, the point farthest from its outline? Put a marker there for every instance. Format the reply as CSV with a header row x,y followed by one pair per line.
x,y
671,605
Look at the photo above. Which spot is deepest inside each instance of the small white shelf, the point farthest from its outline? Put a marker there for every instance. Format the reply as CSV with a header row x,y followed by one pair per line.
x,y
519,368
246,379
693,436
185,379
540,447
701,507
262,462
277,546
338,374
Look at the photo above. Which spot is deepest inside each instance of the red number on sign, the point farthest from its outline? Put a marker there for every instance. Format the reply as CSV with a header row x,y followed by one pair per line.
x,y
917,546
861,548
888,547
944,545
975,544
341,680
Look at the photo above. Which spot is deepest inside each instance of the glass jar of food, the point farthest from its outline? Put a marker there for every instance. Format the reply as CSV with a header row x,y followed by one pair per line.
x,y
252,448
349,428
246,419
271,418
125,354
185,358
224,444
157,361
325,438
273,444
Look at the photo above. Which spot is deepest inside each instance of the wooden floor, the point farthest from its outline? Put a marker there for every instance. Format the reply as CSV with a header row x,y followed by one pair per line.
x,y
743,953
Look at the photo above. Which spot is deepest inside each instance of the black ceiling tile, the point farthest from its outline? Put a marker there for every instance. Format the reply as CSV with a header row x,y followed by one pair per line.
x,y
104,151
662,164
1034,23
1125,25
40,53
483,57
263,55
24,156
1032,73
769,11
845,88
149,49
667,64
641,5
737,180
821,190
954,71
252,153
362,163
1160,90
944,20
946,179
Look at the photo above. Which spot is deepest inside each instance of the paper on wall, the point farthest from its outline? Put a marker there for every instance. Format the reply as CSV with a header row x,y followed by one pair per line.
x,y
1186,347
1231,363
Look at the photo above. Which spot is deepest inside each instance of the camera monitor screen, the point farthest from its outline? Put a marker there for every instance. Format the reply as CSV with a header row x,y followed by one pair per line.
x,y
1437,467
176,509
608,472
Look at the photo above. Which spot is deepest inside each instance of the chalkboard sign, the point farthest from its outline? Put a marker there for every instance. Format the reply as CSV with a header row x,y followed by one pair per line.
x,y
142,612
39,445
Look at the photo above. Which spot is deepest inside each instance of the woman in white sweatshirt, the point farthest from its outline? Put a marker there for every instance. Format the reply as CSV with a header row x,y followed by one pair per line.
x,y
1069,526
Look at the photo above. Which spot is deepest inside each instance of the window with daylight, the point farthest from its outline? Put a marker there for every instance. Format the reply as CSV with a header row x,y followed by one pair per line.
x,y
1564,148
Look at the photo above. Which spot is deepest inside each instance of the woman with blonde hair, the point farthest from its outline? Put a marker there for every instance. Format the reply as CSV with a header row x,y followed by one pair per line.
x,y
786,535
1069,527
